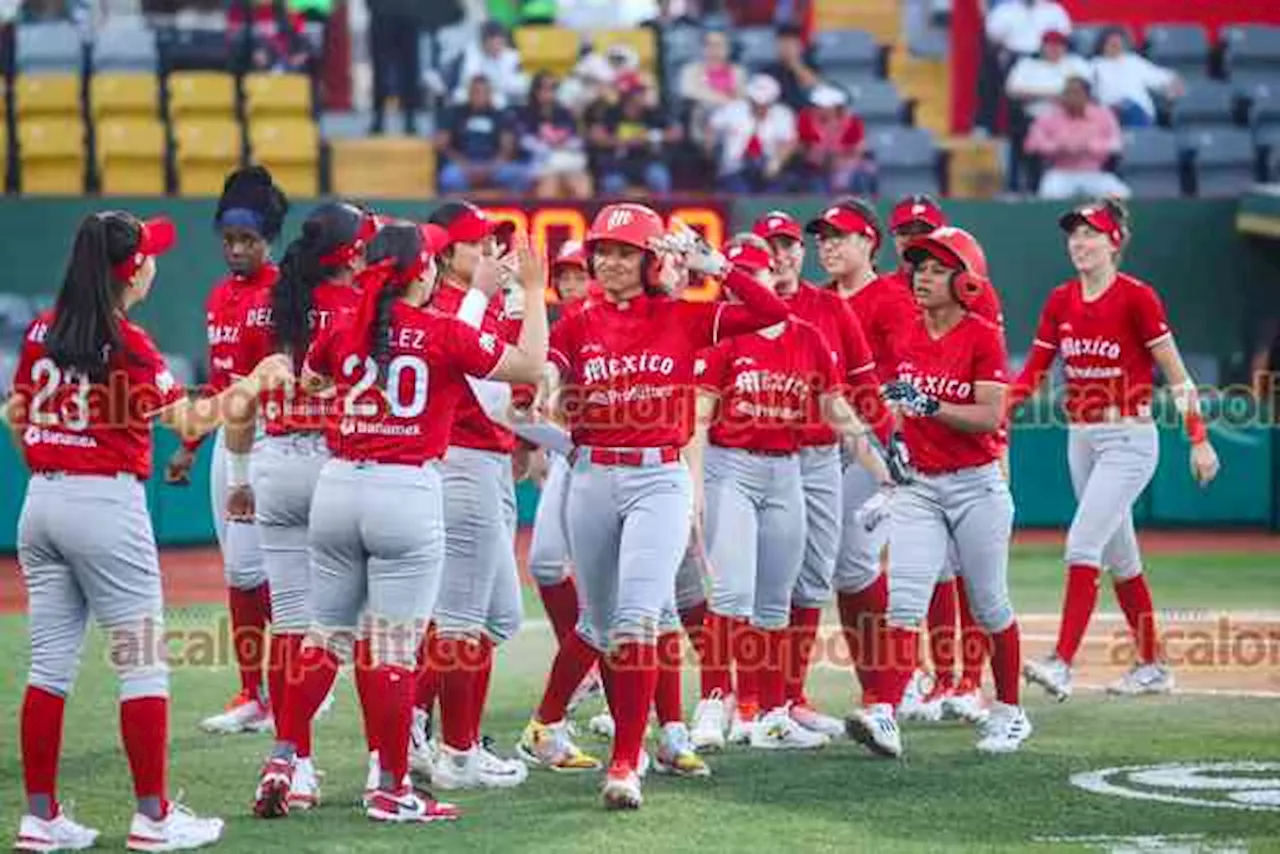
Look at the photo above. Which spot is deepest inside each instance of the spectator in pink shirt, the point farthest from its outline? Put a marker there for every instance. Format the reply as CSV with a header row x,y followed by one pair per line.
x,y
1075,140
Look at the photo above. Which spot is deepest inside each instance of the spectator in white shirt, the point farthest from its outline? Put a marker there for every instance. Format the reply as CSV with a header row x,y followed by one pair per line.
x,y
756,138
1017,28
495,59
1124,81
1036,82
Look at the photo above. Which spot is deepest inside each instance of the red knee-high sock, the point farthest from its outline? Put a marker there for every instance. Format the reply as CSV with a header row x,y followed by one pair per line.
x,y
719,655
630,677
311,676
572,663
144,729
42,713
800,646
1077,607
285,649
861,618
1006,663
480,686
560,600
694,621
748,655
367,688
773,683
248,633
1134,595
428,673
942,633
395,688
666,698
459,659
975,645
897,657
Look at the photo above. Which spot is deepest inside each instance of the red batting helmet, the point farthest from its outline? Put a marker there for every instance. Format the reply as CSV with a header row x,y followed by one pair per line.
x,y
958,250
628,223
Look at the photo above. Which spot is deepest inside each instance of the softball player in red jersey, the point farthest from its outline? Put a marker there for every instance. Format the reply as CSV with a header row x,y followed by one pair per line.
x,y
315,292
628,365
377,524
1112,333
950,387
249,216
88,385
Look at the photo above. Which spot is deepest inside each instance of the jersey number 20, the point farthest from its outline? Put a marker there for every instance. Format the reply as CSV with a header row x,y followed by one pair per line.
x,y
395,390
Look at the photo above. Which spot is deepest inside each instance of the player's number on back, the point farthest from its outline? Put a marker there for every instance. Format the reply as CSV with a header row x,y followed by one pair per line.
x,y
396,390
73,411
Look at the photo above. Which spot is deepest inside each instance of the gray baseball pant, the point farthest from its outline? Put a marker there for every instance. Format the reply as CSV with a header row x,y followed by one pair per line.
x,y
858,564
1110,466
86,547
549,547
239,542
820,479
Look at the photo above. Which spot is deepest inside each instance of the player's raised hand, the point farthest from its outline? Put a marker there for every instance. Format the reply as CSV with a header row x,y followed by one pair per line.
x,y
177,472
274,371
529,266
1204,463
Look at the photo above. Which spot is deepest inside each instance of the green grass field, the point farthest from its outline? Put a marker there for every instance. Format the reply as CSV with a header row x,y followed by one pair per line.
x,y
943,796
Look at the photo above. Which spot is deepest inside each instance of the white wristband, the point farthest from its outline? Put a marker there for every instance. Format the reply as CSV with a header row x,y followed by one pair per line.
x,y
473,307
237,469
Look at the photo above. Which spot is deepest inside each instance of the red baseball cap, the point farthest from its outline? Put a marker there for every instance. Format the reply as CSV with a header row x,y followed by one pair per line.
x,y
1098,217
434,238
777,224
156,236
571,254
1055,37
750,258
473,225
845,220
916,209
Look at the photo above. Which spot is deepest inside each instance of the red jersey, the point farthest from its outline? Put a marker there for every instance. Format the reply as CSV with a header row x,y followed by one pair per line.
x,y
628,367
224,313
770,388
75,426
884,306
472,428
987,304
291,411
948,368
409,421
1105,346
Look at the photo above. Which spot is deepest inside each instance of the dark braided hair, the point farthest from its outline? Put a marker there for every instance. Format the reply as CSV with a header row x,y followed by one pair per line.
x,y
400,243
329,226
254,189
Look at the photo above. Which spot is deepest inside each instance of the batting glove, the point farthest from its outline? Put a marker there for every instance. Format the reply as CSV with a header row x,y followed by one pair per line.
x,y
911,400
874,510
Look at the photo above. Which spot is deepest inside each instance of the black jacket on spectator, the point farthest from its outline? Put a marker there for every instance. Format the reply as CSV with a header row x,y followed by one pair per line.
x,y
432,14
476,134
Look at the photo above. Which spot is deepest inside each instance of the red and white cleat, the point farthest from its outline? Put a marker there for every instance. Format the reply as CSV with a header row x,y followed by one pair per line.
x,y
179,830
59,833
621,788
243,714
271,800
409,806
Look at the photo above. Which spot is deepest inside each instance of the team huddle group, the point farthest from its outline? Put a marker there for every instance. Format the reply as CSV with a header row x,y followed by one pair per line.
x,y
722,470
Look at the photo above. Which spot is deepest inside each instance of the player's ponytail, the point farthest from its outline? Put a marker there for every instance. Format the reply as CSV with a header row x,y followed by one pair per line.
x,y
395,262
86,323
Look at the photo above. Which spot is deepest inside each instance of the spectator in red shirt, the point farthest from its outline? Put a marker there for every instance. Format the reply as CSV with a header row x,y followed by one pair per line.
x,y
276,41
833,144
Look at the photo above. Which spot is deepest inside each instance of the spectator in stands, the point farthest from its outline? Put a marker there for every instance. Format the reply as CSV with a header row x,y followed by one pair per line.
x,y
1076,138
714,82
477,145
756,139
549,138
494,58
276,36
1013,29
793,71
590,84
833,145
393,51
631,140
625,71
1125,80
1036,83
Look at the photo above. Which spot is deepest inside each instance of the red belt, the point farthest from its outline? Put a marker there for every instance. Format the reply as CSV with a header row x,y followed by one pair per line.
x,y
634,459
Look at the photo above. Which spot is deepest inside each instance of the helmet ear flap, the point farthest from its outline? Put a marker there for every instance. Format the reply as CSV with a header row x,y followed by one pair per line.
x,y
965,287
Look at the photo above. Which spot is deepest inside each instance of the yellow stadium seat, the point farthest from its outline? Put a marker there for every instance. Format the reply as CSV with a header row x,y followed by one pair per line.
x,y
277,95
290,148
119,94
640,40
47,95
205,150
202,93
131,156
384,167
553,49
51,152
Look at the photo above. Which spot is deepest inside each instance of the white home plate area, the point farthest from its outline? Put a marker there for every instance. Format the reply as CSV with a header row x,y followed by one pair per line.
x,y
1253,786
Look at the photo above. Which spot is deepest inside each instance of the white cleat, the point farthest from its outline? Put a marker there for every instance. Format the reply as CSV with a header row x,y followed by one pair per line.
x,y
621,789
1052,674
242,714
779,730
1143,679
741,726
965,704
919,687
476,768
422,751
676,755
602,726
499,773
180,830
876,729
708,723
59,833
304,789
1005,729
815,721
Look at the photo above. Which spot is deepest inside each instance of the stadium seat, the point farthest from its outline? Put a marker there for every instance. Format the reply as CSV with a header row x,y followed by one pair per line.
x,y
124,94
906,160
1224,161
131,156
452,42
125,44
1252,48
1251,84
756,46
1264,119
49,47
290,148
553,49
384,167
16,314
277,95
47,96
878,103
640,40
680,46
205,150
51,154
839,51
1084,38
8,367
1205,104
1151,162
1182,47
201,93
193,49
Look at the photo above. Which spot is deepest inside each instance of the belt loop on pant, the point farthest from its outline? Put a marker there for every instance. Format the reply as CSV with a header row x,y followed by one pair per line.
x,y
632,457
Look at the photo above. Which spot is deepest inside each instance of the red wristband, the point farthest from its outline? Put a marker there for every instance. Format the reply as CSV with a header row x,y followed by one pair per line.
x,y
1196,431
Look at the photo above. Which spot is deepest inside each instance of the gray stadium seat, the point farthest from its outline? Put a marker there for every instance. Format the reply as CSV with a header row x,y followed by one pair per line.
x,y
1182,47
1224,160
1203,367
878,103
1252,45
1150,164
125,44
840,50
851,79
1205,104
8,364
16,314
756,46
680,46
1250,84
1084,38
52,46
906,161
